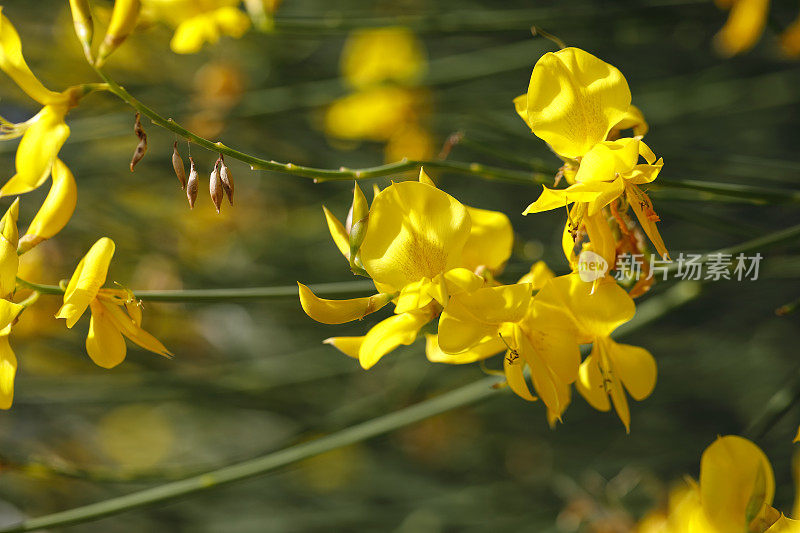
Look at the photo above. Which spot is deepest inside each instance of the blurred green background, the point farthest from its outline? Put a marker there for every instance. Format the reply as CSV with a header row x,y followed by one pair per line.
x,y
252,377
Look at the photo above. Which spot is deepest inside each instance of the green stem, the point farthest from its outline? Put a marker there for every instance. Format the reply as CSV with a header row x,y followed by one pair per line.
x,y
745,193
468,394
339,289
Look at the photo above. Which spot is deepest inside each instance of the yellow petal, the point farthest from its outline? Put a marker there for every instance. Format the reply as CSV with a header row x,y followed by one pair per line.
x,y
537,276
86,281
416,295
591,385
8,312
339,311
8,369
607,159
574,99
193,33
603,241
743,28
550,388
514,368
643,208
388,334
785,525
340,236
424,178
371,115
347,345
490,240
371,56
104,343
521,107
579,192
231,21
458,280
557,347
736,480
635,367
128,326
642,174
123,19
9,260
415,231
13,64
595,314
479,352
37,150
56,210
633,119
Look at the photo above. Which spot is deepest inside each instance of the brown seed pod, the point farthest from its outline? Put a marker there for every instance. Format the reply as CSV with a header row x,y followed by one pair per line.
x,y
227,179
177,164
215,186
141,148
191,185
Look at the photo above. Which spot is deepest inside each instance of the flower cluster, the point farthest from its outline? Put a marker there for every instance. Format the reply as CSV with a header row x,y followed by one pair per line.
x,y
734,495
114,312
434,257
383,67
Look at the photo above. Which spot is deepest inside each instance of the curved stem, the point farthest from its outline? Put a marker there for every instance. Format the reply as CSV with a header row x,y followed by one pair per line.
x,y
710,189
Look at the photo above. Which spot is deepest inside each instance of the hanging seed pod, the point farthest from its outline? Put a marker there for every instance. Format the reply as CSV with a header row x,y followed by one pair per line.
x,y
226,178
141,148
191,185
215,186
177,164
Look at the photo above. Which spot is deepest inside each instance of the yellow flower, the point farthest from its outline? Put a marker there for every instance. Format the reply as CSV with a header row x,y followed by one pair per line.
x,y
115,312
372,114
611,369
124,17
45,133
373,56
574,100
56,210
9,260
744,26
198,22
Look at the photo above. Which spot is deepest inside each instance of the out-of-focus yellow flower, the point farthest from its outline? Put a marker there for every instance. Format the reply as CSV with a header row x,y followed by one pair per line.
x,y
198,22
410,141
124,17
115,312
376,55
373,114
45,133
744,26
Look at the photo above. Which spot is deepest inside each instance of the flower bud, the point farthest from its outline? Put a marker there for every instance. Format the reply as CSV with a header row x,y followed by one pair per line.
x,y
84,27
359,215
191,184
215,186
123,20
141,148
177,164
227,179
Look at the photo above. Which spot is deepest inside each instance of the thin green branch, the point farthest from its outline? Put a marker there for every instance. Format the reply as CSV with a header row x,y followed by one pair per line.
x,y
744,193
676,296
338,289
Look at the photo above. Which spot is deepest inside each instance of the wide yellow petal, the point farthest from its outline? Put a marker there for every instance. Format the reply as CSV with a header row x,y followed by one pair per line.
x,y
338,232
574,99
86,281
490,240
596,314
8,369
415,231
9,260
550,388
388,334
339,311
634,366
743,28
479,352
557,347
607,159
13,63
347,345
37,150
56,210
785,525
458,280
736,481
104,343
371,56
591,384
